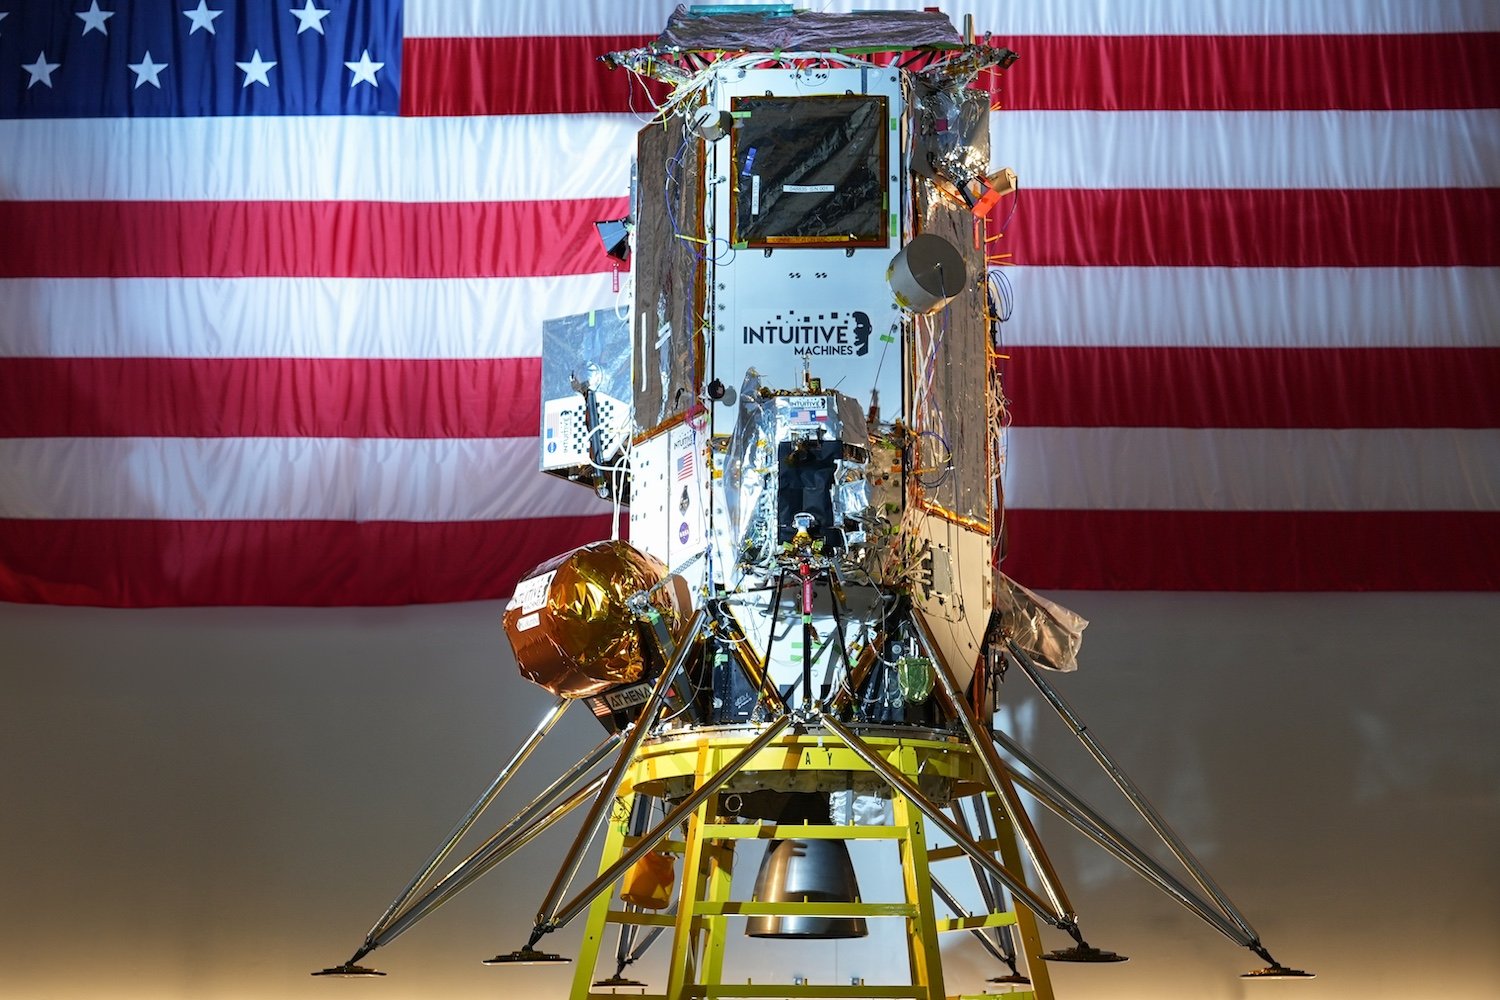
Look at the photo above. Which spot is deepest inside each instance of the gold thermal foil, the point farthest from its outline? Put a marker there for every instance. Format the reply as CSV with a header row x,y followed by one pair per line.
x,y
569,623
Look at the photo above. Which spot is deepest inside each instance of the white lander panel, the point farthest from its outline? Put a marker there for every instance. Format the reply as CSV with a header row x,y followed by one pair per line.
x,y
565,430
805,202
669,494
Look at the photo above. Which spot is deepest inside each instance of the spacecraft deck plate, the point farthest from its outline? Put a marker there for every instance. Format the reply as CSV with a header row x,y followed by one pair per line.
x,y
813,759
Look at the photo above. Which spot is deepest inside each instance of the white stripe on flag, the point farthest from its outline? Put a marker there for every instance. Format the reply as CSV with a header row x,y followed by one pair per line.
x,y
479,18
1254,307
1169,468
257,158
526,157
290,317
1248,149
335,479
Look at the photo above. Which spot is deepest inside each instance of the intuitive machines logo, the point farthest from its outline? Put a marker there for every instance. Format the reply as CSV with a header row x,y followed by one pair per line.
x,y
813,335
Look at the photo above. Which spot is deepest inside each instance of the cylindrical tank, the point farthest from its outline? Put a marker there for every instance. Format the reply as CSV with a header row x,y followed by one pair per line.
x,y
927,273
569,623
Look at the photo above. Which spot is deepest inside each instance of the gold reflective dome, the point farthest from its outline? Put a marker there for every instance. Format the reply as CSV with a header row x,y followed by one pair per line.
x,y
570,626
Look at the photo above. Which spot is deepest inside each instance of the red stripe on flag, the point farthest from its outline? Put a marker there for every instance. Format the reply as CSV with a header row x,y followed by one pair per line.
x,y
1254,550
1252,72
160,563
1424,227
1252,387
270,397
500,397
500,76
1130,228
142,239
520,76
155,563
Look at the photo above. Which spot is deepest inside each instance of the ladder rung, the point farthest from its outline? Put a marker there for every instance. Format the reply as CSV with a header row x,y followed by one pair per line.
x,y
954,851
1003,919
664,846
805,990
800,831
803,909
644,919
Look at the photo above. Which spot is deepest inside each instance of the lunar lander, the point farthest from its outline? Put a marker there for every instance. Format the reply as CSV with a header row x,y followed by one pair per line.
x,y
803,641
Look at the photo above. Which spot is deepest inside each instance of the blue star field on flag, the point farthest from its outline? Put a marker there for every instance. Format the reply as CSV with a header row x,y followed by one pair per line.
x,y
199,58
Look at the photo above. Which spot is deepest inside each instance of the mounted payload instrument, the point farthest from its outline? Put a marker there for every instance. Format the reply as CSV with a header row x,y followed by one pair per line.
x,y
805,634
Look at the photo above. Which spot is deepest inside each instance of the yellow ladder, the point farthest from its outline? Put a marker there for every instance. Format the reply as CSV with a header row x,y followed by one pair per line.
x,y
700,929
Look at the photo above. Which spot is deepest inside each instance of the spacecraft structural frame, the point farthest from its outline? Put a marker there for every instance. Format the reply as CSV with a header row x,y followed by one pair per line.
x,y
806,634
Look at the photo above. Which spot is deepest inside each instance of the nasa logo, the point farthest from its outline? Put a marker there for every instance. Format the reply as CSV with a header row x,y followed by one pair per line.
x,y
682,532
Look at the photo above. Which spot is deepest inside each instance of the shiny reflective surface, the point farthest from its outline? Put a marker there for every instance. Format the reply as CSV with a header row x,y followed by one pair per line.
x,y
810,870
573,632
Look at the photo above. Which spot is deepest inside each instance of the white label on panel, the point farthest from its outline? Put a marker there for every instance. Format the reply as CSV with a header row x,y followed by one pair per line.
x,y
629,697
532,594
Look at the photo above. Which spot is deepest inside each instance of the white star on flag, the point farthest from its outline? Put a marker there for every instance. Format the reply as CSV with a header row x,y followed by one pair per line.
x,y
255,70
147,71
94,18
41,70
311,17
202,17
364,70
3,15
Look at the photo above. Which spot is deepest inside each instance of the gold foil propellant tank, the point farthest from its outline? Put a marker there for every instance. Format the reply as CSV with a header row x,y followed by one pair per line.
x,y
569,623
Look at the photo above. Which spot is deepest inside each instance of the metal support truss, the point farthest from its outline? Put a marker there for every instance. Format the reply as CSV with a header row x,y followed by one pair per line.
x,y
1223,915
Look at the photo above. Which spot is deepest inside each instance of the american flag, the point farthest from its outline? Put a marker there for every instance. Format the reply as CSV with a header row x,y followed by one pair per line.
x,y
806,415
272,279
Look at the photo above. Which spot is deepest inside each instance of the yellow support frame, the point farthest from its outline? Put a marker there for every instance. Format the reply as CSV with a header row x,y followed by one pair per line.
x,y
706,917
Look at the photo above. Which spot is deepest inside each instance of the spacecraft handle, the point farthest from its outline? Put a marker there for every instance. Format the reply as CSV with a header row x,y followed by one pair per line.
x,y
805,575
1128,788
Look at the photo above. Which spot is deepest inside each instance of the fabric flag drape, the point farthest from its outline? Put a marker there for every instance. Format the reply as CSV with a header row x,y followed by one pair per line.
x,y
272,280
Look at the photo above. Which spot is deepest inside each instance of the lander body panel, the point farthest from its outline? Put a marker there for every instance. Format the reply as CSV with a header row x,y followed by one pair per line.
x,y
669,514
807,229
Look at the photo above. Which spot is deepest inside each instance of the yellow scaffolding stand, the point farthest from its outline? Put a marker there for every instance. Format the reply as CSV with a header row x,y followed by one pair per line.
x,y
944,768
